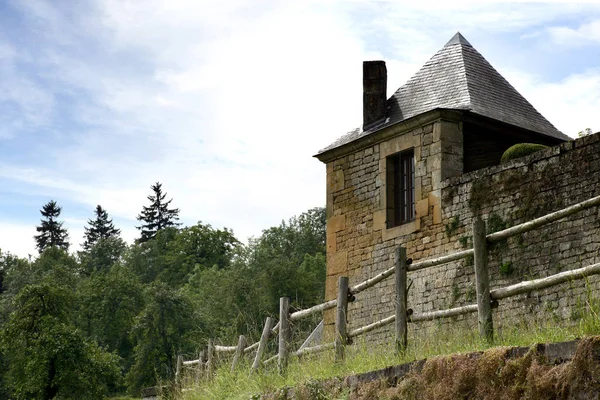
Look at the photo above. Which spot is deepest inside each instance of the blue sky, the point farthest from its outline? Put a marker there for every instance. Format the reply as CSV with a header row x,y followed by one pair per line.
x,y
226,102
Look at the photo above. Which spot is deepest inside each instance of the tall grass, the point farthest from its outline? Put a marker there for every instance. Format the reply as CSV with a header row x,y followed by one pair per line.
x,y
440,339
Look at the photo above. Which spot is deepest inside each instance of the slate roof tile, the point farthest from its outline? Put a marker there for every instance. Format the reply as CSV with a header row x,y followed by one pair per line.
x,y
458,77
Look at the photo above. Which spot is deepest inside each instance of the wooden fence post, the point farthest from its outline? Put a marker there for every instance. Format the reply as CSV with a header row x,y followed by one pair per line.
x,y
262,344
401,299
178,370
284,334
199,370
239,352
341,329
482,281
210,359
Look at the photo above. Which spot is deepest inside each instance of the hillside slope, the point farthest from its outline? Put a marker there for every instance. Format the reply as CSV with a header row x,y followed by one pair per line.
x,y
567,370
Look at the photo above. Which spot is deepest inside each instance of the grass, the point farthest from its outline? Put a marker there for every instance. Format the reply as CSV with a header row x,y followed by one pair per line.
x,y
441,339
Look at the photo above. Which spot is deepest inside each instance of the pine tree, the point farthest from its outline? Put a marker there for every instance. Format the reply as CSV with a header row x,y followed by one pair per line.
x,y
52,234
100,228
158,216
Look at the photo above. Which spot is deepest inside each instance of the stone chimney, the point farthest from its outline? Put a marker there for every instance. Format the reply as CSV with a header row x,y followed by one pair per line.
x,y
374,92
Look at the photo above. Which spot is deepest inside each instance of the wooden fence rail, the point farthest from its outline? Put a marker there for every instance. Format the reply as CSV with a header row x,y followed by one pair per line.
x,y
225,349
542,283
544,220
487,300
251,347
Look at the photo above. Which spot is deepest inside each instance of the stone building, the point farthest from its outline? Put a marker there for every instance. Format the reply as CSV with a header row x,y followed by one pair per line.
x,y
426,160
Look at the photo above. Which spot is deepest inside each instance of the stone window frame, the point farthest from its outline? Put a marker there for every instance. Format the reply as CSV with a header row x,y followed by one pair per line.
x,y
400,178
397,144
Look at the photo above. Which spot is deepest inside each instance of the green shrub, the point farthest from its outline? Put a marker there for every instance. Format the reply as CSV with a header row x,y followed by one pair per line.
x,y
521,150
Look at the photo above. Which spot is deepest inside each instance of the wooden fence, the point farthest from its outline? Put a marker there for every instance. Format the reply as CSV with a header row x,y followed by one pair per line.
x,y
486,301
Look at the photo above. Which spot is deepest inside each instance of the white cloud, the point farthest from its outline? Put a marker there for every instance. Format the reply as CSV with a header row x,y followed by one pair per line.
x,y
571,104
17,238
226,102
584,34
277,92
24,105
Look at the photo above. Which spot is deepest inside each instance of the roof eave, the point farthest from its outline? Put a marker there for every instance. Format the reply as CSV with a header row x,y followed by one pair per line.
x,y
470,114
387,132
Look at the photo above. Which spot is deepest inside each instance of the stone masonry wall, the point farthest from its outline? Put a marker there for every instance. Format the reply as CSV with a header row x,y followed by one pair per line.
x,y
517,192
359,243
360,246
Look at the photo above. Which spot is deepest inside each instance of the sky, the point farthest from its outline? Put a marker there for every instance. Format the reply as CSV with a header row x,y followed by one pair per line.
x,y
226,102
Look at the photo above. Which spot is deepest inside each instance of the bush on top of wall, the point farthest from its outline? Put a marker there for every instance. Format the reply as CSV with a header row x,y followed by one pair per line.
x,y
521,150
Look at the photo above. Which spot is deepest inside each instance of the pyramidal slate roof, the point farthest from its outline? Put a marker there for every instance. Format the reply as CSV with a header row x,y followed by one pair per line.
x,y
458,77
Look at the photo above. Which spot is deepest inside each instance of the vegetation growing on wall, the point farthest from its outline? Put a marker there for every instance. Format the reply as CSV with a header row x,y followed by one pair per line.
x,y
529,188
495,223
452,226
481,194
521,150
494,374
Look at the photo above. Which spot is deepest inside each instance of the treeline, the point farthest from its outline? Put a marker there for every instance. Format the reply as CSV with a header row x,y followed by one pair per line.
x,y
113,317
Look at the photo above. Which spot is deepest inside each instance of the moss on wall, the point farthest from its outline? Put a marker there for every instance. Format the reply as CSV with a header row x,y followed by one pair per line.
x,y
521,150
481,194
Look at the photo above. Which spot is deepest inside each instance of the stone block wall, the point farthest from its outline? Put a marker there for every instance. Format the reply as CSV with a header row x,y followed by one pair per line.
x,y
360,246
516,192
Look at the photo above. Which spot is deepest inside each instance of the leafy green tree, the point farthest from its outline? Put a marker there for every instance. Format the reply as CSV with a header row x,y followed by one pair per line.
x,y
147,259
51,231
109,301
197,246
158,215
101,228
227,302
202,244
163,329
147,302
585,132
2,273
47,356
102,255
15,273
4,390
289,260
173,255
54,265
